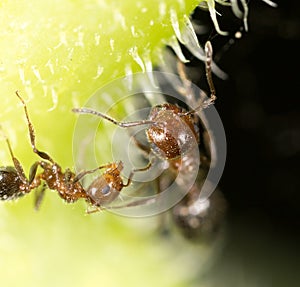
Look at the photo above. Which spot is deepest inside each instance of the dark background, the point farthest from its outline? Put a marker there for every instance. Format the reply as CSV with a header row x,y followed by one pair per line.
x,y
259,107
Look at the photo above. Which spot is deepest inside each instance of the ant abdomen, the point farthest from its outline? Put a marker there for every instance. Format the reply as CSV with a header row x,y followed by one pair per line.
x,y
176,137
10,183
200,219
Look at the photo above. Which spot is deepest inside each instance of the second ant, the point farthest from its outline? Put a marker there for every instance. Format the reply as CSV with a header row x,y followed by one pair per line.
x,y
102,191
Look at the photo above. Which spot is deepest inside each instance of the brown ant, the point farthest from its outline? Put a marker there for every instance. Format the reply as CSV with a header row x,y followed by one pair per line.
x,y
168,125
171,128
102,191
173,132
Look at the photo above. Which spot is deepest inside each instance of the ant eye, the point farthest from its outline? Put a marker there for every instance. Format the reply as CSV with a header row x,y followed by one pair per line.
x,y
105,190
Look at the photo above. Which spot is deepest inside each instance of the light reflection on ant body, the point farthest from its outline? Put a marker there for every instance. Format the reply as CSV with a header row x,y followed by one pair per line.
x,y
102,191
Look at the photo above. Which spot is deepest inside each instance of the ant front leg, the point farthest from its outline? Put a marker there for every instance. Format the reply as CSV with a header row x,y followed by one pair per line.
x,y
17,165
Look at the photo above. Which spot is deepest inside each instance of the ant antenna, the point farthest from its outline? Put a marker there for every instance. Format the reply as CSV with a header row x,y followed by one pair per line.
x,y
208,62
208,65
120,124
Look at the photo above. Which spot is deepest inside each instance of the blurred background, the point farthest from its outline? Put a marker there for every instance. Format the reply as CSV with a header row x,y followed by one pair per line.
x,y
259,106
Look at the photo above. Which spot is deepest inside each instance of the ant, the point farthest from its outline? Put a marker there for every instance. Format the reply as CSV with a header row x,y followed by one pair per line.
x,y
102,191
200,219
172,129
170,132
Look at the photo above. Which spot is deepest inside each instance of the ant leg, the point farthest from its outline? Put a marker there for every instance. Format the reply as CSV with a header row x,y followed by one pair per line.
x,y
142,201
17,165
186,91
141,146
129,180
208,68
119,167
32,171
115,122
85,172
41,154
96,209
39,196
132,204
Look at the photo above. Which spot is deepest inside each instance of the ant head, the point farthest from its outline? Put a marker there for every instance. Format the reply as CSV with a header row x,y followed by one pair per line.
x,y
10,183
105,188
176,136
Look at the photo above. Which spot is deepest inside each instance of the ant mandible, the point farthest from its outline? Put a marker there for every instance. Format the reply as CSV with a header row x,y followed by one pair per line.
x,y
102,191
171,128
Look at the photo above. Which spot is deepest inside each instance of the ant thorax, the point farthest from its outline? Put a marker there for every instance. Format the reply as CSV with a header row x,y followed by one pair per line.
x,y
63,182
177,134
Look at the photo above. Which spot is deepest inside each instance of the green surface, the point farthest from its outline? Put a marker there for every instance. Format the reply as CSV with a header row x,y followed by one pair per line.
x,y
57,53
